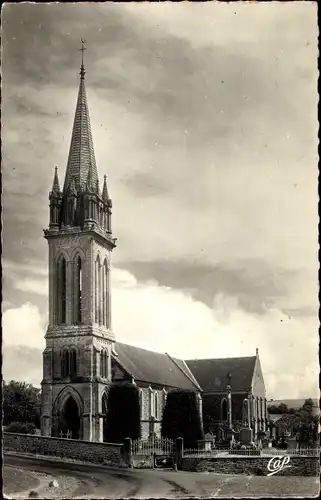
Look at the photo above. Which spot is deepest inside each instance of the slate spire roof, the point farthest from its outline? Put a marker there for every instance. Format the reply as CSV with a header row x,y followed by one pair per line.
x,y
81,160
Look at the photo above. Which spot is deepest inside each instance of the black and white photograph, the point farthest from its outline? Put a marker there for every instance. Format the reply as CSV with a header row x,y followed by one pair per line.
x,y
160,310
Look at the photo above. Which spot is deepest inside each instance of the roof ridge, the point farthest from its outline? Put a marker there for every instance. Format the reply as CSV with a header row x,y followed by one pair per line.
x,y
141,348
219,359
186,374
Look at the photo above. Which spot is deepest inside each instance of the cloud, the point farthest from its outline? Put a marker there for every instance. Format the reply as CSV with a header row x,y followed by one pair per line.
x,y
164,319
204,118
32,286
22,363
254,282
217,141
24,326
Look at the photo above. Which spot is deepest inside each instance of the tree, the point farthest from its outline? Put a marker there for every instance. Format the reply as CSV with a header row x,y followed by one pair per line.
x,y
181,417
308,426
22,427
279,409
308,406
302,423
287,423
21,403
123,412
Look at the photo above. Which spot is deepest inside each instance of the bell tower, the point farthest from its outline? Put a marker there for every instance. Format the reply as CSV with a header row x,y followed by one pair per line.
x,y
79,337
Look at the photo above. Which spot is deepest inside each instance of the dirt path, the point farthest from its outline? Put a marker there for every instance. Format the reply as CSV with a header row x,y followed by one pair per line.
x,y
16,479
96,481
18,482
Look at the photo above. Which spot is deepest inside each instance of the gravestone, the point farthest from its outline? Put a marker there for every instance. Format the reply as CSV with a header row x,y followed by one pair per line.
x,y
220,434
246,436
204,444
245,413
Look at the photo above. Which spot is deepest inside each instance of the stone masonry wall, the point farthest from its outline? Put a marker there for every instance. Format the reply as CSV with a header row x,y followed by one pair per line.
x,y
300,466
104,453
145,404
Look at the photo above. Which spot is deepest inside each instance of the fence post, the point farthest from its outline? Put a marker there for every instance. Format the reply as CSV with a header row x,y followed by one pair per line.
x,y
128,452
179,453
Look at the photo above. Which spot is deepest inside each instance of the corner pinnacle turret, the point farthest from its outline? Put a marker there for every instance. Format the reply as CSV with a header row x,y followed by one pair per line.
x,y
105,190
55,184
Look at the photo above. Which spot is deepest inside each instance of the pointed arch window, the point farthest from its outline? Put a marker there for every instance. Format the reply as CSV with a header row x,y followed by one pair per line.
x,y
78,284
61,290
73,362
141,402
151,402
100,295
224,412
156,405
261,409
164,397
97,296
65,363
105,293
104,364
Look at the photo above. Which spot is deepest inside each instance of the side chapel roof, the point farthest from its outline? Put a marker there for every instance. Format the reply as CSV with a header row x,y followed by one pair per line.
x,y
212,374
153,367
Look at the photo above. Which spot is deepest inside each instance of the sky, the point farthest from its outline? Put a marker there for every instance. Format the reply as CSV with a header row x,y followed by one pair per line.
x,y
204,118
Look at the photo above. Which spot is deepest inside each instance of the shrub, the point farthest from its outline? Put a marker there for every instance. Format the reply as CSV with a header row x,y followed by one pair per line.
x,y
181,417
22,427
123,412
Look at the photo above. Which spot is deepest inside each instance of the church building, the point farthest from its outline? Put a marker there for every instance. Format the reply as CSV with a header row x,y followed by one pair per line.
x,y
82,358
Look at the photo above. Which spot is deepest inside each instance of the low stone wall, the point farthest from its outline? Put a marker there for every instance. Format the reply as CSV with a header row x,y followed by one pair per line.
x,y
89,451
300,465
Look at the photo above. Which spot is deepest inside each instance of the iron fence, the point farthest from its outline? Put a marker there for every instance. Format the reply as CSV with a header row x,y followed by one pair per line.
x,y
219,452
227,452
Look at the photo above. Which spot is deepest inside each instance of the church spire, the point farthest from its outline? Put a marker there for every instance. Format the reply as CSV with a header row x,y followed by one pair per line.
x,y
81,157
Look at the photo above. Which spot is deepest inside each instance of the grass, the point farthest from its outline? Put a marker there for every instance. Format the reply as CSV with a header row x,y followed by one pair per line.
x,y
17,480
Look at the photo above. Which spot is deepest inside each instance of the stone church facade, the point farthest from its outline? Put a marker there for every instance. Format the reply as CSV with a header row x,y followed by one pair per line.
x,y
82,357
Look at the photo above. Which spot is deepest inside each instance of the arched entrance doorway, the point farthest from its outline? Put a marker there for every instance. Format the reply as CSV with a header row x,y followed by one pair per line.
x,y
104,412
70,419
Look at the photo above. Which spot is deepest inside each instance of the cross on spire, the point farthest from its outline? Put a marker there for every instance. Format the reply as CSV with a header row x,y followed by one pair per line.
x,y
82,68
